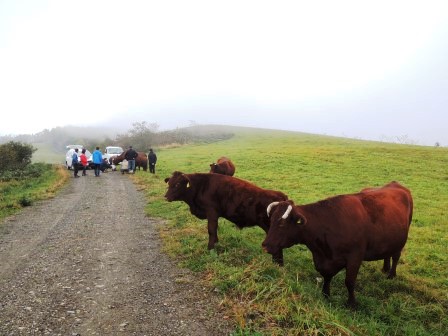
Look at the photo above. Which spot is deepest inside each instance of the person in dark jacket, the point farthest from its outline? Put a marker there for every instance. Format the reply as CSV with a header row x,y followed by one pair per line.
x,y
152,157
75,162
105,165
130,155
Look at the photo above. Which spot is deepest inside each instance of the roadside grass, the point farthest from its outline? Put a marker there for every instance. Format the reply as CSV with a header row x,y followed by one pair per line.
x,y
16,194
265,299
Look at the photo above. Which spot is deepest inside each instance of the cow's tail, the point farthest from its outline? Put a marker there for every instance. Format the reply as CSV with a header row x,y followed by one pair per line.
x,y
411,208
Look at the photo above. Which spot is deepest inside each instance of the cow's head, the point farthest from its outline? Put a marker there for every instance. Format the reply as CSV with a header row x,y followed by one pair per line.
x,y
285,222
178,185
213,168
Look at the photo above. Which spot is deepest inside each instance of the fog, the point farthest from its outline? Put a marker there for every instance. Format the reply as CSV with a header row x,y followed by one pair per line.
x,y
372,71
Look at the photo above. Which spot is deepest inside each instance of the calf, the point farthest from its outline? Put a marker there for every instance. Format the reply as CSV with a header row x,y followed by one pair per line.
x,y
344,230
211,196
223,166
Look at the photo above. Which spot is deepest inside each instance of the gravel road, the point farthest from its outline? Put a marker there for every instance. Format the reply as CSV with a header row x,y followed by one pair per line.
x,y
88,262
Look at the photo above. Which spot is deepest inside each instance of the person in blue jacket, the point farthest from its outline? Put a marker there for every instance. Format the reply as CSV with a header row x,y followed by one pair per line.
x,y
97,159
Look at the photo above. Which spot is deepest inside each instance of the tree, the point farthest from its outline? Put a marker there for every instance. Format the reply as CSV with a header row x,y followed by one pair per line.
x,y
15,155
141,136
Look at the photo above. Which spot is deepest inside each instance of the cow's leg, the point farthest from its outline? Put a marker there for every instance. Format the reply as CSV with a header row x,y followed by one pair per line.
x,y
212,231
326,286
393,269
386,265
351,273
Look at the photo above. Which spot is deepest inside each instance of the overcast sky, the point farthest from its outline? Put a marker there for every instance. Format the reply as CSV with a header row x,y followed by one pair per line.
x,y
366,69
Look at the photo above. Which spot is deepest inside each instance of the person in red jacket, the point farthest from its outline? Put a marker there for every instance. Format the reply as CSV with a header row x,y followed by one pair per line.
x,y
83,159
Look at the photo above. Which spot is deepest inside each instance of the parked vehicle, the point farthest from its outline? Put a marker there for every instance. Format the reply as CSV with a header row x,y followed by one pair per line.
x,y
74,146
111,152
69,156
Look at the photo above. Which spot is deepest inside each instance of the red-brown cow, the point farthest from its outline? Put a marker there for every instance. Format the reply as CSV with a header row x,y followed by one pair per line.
x,y
211,196
223,166
344,230
140,161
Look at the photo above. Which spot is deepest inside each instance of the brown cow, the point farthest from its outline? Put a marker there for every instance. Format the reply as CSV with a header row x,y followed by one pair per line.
x,y
344,230
211,196
223,166
140,161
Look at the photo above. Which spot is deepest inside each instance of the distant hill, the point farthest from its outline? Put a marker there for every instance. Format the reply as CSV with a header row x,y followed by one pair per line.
x,y
51,144
57,138
45,153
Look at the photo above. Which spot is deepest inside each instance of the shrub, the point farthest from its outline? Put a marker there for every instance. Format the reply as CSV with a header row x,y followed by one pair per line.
x,y
34,170
15,156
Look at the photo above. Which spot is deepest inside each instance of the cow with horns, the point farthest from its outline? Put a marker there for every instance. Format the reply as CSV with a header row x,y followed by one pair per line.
x,y
344,230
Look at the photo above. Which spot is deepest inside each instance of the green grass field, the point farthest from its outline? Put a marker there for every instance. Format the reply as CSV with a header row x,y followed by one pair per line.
x,y
265,299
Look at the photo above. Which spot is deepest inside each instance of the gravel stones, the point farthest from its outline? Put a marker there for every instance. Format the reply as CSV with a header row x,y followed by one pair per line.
x,y
88,262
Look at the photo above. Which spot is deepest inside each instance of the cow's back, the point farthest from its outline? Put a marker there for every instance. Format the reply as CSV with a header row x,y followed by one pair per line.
x,y
374,222
389,214
239,201
223,166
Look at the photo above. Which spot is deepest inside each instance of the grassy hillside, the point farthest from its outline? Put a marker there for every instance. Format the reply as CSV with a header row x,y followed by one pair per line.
x,y
265,299
46,154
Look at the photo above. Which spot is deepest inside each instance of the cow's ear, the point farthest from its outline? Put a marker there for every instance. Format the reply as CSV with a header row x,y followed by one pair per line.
x,y
167,179
300,219
187,179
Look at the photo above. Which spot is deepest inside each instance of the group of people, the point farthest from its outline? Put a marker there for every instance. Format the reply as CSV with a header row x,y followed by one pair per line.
x,y
97,158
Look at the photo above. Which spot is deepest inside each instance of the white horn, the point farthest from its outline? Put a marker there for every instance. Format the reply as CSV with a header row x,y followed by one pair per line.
x,y
273,204
287,212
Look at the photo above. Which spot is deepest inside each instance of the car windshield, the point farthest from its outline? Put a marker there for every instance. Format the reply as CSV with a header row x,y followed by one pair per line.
x,y
114,150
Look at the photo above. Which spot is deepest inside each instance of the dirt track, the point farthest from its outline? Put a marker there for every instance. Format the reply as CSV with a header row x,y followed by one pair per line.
x,y
88,262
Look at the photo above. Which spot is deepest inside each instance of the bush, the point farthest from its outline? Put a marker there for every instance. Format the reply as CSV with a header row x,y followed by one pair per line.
x,y
15,159
31,171
15,156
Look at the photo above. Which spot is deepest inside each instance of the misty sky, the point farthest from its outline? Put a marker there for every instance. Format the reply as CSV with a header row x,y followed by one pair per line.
x,y
366,69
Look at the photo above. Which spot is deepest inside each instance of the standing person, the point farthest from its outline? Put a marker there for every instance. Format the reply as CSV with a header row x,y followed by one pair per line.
x,y
83,159
130,155
152,157
75,162
97,158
